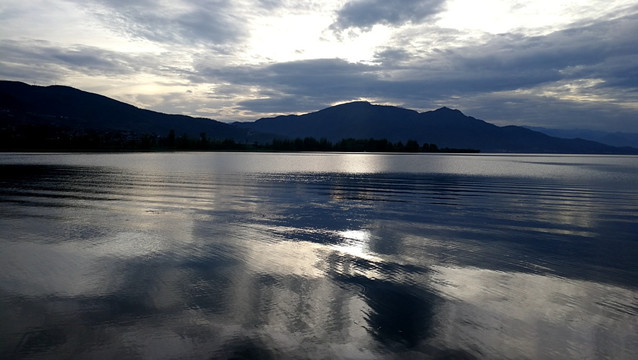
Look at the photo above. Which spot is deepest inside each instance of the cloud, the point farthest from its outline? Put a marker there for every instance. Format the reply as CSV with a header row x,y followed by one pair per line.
x,y
526,109
283,105
182,22
41,61
504,63
392,56
271,4
312,82
575,69
82,59
604,51
366,13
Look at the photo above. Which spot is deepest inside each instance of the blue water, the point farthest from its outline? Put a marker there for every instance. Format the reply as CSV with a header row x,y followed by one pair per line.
x,y
318,256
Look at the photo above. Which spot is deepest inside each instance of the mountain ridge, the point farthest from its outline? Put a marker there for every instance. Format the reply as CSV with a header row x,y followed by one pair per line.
x,y
616,138
445,127
64,107
66,111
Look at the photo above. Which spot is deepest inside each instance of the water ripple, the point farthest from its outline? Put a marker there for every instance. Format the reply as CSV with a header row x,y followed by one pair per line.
x,y
318,256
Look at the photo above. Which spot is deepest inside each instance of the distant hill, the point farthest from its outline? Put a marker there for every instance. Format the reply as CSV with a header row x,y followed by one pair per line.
x,y
605,137
444,127
65,109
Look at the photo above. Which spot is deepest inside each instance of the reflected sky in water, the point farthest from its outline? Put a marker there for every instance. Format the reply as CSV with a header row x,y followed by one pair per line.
x,y
320,256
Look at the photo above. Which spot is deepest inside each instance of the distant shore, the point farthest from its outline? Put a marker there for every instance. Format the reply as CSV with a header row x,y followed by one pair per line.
x,y
149,143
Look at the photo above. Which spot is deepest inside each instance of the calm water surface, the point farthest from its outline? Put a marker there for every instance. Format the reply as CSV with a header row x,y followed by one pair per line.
x,y
318,256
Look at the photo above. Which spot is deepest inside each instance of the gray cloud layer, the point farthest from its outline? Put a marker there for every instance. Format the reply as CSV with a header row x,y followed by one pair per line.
x,y
507,62
38,61
367,13
208,22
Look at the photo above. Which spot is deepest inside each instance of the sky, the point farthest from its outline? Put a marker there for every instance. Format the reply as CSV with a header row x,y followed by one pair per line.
x,y
552,63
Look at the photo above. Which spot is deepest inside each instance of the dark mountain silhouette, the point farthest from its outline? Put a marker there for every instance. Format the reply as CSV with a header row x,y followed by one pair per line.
x,y
32,115
68,109
444,127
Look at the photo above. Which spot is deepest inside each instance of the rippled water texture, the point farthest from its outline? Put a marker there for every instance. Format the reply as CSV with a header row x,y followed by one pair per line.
x,y
319,256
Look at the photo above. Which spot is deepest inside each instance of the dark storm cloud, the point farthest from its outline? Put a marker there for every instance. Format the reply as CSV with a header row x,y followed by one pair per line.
x,y
209,22
367,13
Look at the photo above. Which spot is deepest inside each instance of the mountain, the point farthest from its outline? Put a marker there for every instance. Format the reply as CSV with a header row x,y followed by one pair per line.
x,y
609,138
64,109
444,127
60,116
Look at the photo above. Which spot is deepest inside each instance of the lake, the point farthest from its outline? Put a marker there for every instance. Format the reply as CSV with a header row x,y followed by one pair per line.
x,y
318,256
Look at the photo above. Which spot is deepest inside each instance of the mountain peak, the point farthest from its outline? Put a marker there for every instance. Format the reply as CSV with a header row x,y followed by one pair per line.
x,y
446,109
358,103
67,110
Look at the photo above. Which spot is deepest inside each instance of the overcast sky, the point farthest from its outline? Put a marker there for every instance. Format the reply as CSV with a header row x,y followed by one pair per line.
x,y
555,63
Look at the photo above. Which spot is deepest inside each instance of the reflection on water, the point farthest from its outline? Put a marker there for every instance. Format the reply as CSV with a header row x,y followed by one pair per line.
x,y
351,256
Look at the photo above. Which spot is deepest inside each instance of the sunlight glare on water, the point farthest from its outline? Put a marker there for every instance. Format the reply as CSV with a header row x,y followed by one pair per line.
x,y
355,244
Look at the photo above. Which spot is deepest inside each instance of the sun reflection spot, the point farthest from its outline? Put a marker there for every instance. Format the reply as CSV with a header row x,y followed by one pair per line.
x,y
355,244
360,235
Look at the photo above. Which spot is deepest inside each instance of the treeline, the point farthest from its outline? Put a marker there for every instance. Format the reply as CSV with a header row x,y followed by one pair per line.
x,y
305,144
359,145
47,138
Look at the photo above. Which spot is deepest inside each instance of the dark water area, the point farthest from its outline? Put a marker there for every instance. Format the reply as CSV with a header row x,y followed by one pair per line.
x,y
318,256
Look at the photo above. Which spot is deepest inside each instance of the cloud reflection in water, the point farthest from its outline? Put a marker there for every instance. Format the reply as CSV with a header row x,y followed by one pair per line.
x,y
114,261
